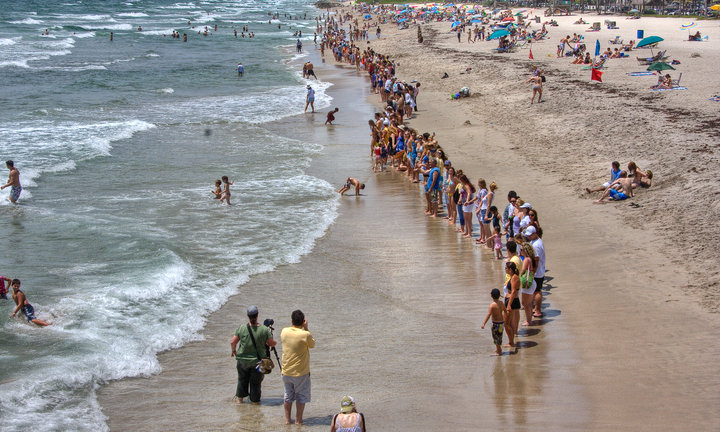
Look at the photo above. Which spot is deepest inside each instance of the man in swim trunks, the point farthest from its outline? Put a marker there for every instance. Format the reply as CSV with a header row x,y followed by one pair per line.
x,y
309,70
626,192
23,304
13,182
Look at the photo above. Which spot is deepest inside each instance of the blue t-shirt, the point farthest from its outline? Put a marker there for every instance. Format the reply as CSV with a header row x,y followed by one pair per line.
x,y
435,186
614,175
400,144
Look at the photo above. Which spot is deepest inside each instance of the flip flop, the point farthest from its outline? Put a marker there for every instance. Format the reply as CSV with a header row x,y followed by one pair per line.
x,y
538,315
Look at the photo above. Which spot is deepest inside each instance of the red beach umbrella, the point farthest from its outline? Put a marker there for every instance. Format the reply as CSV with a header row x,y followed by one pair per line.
x,y
508,19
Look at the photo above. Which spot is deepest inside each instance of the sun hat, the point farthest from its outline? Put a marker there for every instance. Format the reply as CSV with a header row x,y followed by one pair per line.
x,y
347,404
529,231
252,311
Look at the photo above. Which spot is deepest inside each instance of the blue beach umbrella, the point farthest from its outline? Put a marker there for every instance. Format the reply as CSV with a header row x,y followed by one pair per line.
x,y
368,16
455,24
649,41
402,20
475,20
498,34
597,48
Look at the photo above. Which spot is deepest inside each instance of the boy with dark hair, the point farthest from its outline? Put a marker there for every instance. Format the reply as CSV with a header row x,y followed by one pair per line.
x,y
497,311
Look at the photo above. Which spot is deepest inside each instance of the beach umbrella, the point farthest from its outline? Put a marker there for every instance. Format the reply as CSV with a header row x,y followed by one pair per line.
x,y
660,66
597,48
498,34
715,7
649,41
475,21
689,25
455,24
368,16
507,19
634,10
518,14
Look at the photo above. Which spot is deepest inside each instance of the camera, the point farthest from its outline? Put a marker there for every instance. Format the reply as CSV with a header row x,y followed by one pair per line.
x,y
269,322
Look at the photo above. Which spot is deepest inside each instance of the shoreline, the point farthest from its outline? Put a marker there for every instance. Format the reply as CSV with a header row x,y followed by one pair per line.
x,y
579,341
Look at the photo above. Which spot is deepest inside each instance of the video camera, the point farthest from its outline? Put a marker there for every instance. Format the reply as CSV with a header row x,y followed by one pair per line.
x,y
269,322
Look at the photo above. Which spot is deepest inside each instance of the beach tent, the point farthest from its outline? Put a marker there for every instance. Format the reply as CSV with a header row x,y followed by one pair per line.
x,y
649,41
498,34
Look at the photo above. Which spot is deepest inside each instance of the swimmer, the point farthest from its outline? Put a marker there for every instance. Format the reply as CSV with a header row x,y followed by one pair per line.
x,y
3,287
23,304
225,196
331,116
240,69
350,182
13,182
218,189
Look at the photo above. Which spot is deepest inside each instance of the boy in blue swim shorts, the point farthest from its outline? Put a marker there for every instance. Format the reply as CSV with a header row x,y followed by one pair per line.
x,y
624,193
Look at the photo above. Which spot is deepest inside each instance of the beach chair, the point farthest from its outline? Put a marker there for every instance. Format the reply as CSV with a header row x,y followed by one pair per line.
x,y
616,41
649,60
595,27
676,83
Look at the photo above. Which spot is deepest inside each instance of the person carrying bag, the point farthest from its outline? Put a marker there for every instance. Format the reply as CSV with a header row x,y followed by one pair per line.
x,y
251,367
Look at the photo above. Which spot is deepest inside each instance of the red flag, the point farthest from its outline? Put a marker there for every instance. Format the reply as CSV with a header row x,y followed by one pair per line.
x,y
596,75
531,56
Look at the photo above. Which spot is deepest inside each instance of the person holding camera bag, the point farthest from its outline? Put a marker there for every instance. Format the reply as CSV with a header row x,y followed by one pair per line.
x,y
254,339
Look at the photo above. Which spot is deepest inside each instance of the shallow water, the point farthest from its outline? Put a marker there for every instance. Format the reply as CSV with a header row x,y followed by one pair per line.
x,y
116,237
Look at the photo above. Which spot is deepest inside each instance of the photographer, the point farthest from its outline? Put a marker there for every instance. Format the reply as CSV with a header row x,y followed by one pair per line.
x,y
247,356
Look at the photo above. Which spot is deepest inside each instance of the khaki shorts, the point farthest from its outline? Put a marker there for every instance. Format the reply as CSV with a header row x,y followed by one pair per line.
x,y
297,389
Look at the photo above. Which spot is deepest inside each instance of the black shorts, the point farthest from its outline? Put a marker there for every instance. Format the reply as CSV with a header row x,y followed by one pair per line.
x,y
515,304
539,284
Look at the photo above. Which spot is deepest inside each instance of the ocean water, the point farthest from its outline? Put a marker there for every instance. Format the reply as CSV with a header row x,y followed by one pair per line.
x,y
116,238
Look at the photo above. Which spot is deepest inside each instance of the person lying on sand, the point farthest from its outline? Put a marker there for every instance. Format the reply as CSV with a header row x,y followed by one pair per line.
x,y
625,182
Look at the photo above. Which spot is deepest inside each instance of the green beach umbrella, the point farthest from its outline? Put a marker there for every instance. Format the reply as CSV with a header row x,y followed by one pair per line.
x,y
660,66
498,34
649,41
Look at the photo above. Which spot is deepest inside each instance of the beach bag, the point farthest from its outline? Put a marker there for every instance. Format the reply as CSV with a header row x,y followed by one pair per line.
x,y
542,77
527,279
264,365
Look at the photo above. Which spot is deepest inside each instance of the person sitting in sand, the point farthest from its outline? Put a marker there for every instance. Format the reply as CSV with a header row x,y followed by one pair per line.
x,y
646,180
614,175
350,182
627,190
663,83
628,47
580,21
616,54
694,38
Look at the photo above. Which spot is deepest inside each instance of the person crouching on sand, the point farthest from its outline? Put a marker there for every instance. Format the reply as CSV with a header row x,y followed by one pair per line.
x,y
350,182
348,419
331,116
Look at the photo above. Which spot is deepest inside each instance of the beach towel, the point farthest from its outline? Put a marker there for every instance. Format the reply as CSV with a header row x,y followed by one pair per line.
x,y
674,88
640,73
715,98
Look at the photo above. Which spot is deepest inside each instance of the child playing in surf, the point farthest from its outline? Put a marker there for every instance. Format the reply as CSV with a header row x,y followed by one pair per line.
x,y
218,189
3,287
497,311
331,116
225,196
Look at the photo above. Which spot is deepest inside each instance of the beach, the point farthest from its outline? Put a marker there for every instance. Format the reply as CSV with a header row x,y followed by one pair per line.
x,y
119,137
395,299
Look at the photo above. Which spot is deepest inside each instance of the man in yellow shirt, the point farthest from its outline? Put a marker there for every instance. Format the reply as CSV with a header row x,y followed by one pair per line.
x,y
296,343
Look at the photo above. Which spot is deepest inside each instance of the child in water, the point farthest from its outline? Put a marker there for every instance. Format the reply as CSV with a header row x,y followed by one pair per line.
x,y
498,312
225,196
218,189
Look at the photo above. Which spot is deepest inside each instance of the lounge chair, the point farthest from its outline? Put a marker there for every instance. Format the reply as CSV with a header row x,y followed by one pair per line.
x,y
660,56
616,41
